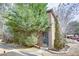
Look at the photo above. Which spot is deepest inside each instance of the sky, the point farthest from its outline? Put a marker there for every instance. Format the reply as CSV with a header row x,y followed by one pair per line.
x,y
52,5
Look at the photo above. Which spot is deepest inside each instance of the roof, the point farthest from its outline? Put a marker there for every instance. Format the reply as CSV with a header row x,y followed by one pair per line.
x,y
51,6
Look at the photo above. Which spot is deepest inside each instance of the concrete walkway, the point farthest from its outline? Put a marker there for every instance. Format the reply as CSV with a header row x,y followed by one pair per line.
x,y
14,50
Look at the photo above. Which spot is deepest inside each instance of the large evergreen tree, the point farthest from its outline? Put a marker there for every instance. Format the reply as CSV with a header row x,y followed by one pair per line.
x,y
27,22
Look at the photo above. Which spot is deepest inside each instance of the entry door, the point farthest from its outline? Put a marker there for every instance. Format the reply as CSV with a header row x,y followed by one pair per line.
x,y
45,40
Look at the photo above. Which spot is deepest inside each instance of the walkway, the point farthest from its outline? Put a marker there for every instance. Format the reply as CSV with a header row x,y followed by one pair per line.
x,y
15,50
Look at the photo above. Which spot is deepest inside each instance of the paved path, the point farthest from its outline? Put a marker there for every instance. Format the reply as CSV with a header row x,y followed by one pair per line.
x,y
14,50
73,50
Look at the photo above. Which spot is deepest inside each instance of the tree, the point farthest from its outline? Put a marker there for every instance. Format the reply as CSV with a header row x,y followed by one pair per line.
x,y
67,13
27,22
73,28
59,40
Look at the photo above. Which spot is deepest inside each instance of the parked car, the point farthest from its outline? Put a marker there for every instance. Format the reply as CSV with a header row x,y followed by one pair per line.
x,y
73,37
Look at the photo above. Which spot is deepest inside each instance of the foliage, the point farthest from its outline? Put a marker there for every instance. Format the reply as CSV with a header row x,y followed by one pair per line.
x,y
59,42
73,28
25,19
68,12
31,40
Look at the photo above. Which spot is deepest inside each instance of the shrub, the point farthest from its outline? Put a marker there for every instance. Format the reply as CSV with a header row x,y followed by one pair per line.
x,y
31,40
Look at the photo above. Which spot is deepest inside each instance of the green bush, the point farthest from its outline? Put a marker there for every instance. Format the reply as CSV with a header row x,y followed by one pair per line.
x,y
31,40
26,40
25,19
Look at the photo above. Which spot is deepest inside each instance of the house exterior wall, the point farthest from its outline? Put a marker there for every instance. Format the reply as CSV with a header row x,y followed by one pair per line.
x,y
51,34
